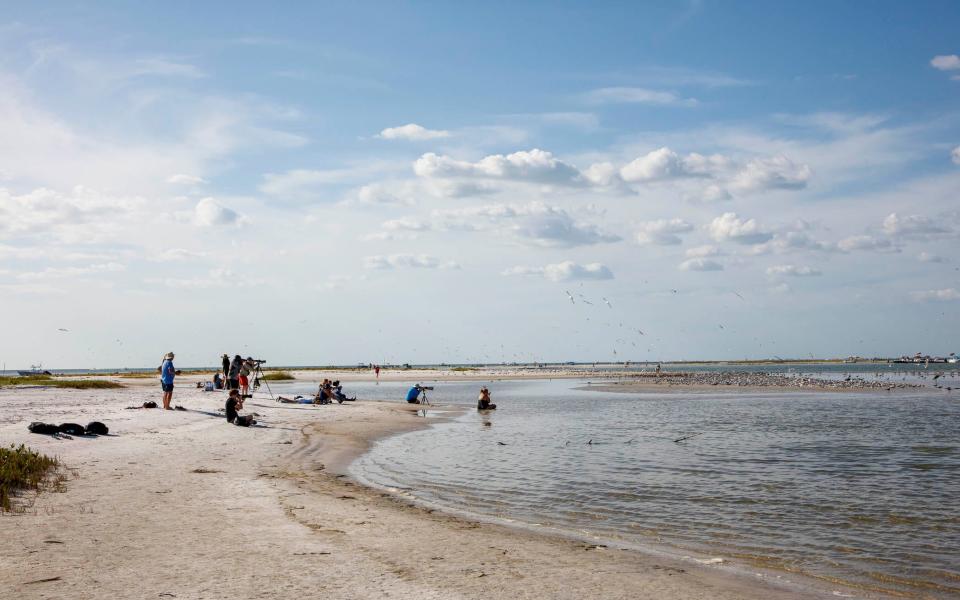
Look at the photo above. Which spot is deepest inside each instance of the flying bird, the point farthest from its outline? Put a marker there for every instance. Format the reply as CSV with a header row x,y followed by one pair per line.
x,y
737,294
607,302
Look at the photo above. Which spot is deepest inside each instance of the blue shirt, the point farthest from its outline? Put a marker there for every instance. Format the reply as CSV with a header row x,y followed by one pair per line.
x,y
167,372
412,394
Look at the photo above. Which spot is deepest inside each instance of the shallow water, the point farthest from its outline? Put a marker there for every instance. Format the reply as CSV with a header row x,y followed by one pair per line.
x,y
858,488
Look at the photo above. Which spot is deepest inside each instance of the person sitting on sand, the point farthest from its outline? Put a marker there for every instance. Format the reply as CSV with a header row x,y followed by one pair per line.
x,y
337,390
483,402
234,404
217,381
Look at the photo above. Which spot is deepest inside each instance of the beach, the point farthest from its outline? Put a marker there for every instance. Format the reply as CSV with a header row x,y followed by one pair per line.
x,y
180,504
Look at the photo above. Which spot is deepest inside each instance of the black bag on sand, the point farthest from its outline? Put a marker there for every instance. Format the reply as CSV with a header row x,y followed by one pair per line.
x,y
245,421
43,428
72,429
97,428
150,404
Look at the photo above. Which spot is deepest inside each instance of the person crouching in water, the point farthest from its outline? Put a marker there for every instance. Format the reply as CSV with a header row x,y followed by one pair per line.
x,y
483,402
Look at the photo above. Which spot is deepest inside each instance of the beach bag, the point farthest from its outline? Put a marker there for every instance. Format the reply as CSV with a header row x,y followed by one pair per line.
x,y
43,428
72,429
208,386
97,428
150,404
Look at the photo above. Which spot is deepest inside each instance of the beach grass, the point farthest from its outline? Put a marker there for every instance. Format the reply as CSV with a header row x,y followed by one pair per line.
x,y
462,369
50,381
278,376
22,469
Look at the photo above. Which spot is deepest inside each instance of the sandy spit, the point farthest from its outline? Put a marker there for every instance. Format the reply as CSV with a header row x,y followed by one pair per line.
x,y
183,505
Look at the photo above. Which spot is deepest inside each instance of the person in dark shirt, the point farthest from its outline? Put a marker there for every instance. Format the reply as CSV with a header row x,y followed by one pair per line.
x,y
226,368
234,404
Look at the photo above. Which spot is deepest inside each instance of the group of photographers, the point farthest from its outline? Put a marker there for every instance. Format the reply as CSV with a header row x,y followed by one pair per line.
x,y
236,374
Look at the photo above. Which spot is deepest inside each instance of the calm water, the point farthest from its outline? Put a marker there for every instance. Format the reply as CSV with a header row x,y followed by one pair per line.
x,y
853,487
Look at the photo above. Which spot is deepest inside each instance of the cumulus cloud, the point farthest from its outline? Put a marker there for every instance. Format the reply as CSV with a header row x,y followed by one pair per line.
x,y
702,251
700,264
406,261
792,271
565,271
535,223
535,166
730,227
912,226
637,95
664,163
412,132
866,242
63,272
215,278
944,295
184,179
774,173
930,258
663,232
791,241
210,213
79,214
176,255
945,62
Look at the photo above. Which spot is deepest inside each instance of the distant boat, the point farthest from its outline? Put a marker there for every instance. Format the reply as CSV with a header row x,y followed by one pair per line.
x,y
34,370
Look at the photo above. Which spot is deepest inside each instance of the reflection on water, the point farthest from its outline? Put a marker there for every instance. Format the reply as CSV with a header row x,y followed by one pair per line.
x,y
852,487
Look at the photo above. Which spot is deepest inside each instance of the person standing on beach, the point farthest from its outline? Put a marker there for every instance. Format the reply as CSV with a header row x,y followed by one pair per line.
x,y
245,368
226,369
376,370
234,374
167,373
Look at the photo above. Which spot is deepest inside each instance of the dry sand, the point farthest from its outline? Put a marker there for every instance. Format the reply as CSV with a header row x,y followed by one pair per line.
x,y
183,505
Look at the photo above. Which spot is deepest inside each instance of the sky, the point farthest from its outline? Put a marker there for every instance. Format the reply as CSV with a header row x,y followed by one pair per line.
x,y
430,182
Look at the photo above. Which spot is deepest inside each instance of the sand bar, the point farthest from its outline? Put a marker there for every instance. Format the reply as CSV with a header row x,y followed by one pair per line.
x,y
182,505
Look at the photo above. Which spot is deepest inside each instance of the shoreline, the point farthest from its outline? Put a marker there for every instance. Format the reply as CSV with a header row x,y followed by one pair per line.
x,y
181,504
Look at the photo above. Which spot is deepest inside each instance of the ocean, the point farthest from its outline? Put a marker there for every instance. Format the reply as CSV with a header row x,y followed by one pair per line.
x,y
858,488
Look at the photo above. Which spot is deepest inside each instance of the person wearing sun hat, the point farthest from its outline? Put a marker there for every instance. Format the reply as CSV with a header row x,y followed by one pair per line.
x,y
167,373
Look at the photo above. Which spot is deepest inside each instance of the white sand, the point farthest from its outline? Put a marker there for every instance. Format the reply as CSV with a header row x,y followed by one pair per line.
x,y
274,520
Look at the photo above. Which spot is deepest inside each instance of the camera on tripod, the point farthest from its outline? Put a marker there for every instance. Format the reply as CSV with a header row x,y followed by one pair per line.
x,y
256,361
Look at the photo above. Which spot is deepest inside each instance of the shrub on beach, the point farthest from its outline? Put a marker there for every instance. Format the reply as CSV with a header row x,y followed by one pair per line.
x,y
22,469
50,381
278,376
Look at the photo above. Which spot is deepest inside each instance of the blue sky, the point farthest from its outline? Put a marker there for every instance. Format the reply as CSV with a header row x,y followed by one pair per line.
x,y
426,182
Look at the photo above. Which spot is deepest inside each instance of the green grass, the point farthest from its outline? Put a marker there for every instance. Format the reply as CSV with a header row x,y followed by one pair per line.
x,y
464,369
22,469
278,376
47,380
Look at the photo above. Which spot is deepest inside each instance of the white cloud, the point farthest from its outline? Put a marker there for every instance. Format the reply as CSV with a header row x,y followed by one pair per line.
x,y
662,232
534,166
184,179
944,295
917,226
215,278
930,258
637,95
700,264
664,163
565,271
58,272
412,132
955,155
792,271
535,223
702,251
405,224
778,172
407,261
945,62
866,242
210,213
76,216
730,227
176,255
791,241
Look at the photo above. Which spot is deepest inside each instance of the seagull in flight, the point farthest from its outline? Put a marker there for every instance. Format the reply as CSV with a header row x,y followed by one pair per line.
x,y
607,302
62,329
569,295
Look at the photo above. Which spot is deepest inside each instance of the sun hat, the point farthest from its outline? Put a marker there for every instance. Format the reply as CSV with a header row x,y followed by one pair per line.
x,y
168,355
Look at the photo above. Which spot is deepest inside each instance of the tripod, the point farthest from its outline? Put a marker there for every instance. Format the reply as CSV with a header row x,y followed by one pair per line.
x,y
257,375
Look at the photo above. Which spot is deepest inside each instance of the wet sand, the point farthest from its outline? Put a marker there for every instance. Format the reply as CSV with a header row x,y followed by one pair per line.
x,y
181,504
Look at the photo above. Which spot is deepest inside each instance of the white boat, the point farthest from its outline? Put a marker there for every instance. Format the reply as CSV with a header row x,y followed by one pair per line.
x,y
34,370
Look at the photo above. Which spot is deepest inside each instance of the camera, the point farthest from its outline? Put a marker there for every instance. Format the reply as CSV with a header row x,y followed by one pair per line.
x,y
425,387
258,361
